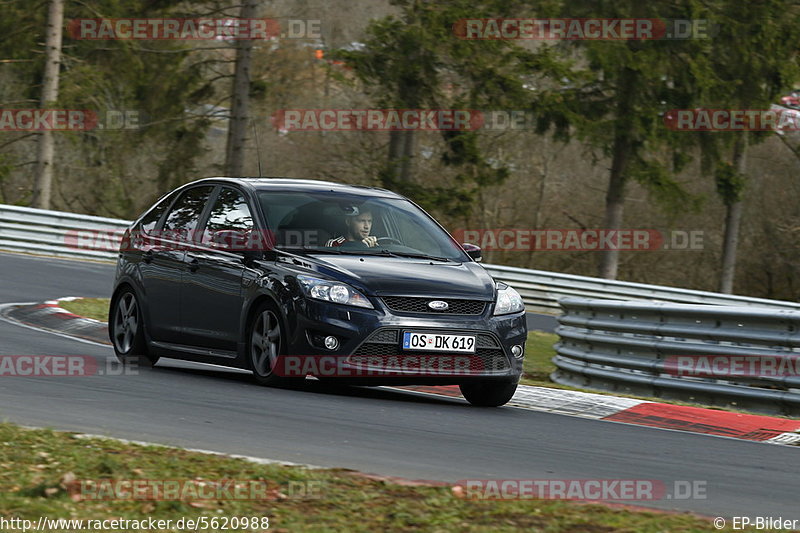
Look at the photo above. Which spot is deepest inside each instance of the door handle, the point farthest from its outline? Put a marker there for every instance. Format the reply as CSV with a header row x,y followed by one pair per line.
x,y
147,257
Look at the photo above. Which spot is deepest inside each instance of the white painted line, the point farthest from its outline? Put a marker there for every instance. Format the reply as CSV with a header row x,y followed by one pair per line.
x,y
52,332
791,438
573,403
556,401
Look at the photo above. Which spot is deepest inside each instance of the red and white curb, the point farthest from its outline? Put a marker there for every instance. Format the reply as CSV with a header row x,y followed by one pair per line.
x,y
55,307
633,411
51,317
742,426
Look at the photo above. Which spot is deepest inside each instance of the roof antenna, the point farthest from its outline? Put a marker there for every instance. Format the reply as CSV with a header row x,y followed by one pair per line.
x,y
258,150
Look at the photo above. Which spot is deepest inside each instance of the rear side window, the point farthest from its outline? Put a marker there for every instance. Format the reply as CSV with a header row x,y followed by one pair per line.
x,y
151,218
183,217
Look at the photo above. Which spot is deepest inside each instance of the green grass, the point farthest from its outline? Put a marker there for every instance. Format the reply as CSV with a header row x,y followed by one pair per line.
x,y
96,308
39,466
539,351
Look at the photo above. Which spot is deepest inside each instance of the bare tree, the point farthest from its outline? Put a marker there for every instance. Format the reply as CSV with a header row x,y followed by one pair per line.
x,y
402,149
44,158
240,106
733,219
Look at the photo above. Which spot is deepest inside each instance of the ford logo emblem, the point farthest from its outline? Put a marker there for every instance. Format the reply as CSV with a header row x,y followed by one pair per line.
x,y
438,305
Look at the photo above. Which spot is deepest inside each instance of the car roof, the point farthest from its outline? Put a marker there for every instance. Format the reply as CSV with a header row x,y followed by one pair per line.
x,y
301,185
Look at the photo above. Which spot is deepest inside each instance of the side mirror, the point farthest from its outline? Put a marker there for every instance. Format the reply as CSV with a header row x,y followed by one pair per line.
x,y
229,239
238,242
251,255
473,251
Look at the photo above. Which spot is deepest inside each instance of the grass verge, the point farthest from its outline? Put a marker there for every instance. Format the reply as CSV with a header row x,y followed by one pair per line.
x,y
42,472
96,308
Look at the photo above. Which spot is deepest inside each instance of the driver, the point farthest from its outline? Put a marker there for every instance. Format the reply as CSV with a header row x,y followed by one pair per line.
x,y
358,224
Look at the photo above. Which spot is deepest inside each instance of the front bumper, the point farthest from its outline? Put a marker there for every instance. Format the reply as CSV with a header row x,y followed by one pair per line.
x,y
370,350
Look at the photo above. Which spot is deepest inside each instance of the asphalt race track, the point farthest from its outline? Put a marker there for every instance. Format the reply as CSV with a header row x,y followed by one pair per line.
x,y
372,430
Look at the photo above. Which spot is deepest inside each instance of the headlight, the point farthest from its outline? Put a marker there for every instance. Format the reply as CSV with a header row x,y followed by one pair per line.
x,y
508,300
332,291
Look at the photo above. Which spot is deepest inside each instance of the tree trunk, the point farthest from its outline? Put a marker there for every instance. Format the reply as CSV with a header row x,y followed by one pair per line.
x,y
615,200
544,171
733,219
43,181
621,155
240,106
402,146
409,149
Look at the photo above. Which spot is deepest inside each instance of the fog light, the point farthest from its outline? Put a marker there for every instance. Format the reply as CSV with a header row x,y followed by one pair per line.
x,y
331,342
517,351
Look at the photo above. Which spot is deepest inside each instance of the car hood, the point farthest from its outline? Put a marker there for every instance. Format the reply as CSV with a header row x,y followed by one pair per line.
x,y
410,276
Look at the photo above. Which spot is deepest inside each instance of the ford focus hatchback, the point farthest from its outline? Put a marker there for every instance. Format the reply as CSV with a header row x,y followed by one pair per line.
x,y
297,278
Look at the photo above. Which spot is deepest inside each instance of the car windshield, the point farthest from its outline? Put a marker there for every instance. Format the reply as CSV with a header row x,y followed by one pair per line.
x,y
341,223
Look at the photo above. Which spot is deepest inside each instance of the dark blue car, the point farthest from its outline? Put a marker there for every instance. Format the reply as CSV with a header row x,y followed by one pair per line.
x,y
290,278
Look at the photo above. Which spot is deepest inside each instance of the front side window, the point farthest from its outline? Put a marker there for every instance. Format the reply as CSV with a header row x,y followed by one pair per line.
x,y
230,212
183,217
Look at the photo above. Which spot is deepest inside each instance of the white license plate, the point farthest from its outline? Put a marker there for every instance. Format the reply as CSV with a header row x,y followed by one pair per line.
x,y
437,342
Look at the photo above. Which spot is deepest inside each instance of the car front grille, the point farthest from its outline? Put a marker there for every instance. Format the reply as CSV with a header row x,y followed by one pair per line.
x,y
455,306
382,350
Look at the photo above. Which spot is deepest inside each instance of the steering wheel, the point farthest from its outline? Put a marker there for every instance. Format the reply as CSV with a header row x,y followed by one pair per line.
x,y
389,240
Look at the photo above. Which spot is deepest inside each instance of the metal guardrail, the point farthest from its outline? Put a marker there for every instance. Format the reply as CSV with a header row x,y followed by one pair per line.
x,y
638,348
57,233
25,229
542,290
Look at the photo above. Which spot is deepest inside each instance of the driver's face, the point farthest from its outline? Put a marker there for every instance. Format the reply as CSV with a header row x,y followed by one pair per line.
x,y
361,225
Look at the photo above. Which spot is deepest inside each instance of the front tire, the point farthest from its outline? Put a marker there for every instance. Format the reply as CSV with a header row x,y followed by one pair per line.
x,y
265,345
126,329
488,393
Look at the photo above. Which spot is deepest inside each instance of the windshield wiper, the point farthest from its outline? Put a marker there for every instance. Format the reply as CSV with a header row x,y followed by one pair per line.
x,y
308,249
389,253
381,252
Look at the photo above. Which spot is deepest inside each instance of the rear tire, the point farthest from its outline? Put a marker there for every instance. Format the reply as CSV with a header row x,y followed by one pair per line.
x,y
126,329
488,393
